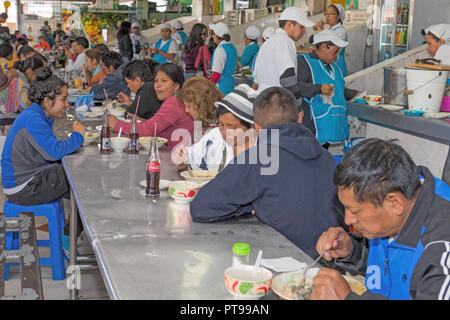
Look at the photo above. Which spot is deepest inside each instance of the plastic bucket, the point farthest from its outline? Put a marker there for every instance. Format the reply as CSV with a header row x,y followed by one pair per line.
x,y
428,88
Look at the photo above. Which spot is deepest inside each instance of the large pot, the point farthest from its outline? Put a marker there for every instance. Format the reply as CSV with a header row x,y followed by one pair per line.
x,y
427,87
394,85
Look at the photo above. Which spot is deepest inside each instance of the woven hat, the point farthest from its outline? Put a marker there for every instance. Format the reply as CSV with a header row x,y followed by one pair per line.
x,y
240,102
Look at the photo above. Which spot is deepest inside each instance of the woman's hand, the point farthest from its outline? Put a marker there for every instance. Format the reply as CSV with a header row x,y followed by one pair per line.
x,y
78,127
112,121
124,99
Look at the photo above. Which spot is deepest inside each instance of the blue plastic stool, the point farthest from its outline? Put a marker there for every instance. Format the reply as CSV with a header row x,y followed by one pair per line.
x,y
54,212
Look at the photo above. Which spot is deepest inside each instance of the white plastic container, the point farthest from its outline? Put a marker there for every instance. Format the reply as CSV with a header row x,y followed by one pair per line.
x,y
428,88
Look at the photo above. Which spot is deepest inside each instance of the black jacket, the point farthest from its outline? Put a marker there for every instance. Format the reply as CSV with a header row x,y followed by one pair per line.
x,y
148,104
431,275
125,46
296,196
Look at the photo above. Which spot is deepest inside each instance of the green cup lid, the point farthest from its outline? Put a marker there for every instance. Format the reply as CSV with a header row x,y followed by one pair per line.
x,y
241,248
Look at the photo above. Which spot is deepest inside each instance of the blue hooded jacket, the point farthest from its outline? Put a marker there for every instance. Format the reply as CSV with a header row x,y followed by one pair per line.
x,y
291,189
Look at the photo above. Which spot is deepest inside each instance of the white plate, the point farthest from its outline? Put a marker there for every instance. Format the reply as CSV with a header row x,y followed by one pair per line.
x,y
436,115
163,184
391,107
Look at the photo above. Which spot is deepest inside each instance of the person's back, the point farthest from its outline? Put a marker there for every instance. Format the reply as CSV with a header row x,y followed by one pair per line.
x,y
114,82
289,186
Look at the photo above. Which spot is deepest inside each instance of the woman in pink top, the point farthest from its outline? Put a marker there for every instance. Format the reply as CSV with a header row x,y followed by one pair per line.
x,y
170,116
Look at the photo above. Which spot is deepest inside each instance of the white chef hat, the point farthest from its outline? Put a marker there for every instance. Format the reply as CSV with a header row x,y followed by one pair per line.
x,y
177,24
341,11
268,32
165,26
441,31
252,33
221,29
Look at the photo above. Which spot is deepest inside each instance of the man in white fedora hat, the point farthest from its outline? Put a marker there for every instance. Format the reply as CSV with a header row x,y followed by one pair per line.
x,y
276,63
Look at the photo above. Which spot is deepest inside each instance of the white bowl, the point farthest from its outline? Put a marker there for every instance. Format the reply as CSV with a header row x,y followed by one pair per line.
x,y
373,100
241,284
200,176
90,137
119,144
146,142
182,191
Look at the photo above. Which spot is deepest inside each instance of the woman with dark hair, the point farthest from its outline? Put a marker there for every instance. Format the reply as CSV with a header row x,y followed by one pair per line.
x,y
124,41
27,74
192,46
32,173
25,52
171,115
140,81
225,59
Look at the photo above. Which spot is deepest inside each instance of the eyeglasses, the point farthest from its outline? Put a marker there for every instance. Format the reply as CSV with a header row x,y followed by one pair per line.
x,y
204,33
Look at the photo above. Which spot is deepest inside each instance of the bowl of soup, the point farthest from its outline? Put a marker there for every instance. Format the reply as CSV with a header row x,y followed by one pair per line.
x,y
241,283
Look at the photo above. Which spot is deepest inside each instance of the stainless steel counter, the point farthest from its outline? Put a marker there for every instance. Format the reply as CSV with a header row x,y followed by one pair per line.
x,y
433,129
151,249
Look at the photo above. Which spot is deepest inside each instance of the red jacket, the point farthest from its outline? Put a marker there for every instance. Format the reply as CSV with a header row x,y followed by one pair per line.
x,y
170,116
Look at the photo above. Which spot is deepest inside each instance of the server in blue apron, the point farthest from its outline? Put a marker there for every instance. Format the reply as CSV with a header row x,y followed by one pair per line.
x,y
438,43
178,32
403,219
334,17
166,48
323,89
251,36
224,59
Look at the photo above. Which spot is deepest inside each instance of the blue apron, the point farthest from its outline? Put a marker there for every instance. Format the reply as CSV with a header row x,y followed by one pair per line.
x,y
249,54
183,36
226,81
330,120
340,60
390,267
158,57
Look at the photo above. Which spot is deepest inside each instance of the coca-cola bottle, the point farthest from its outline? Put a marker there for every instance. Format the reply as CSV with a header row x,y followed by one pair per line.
x,y
105,137
153,171
134,137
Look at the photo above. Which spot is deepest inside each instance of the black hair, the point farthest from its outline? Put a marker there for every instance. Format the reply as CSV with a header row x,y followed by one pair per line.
x,y
82,41
6,49
25,50
101,47
34,62
152,64
137,68
46,85
221,110
21,41
58,24
195,38
124,29
225,37
275,105
374,168
211,45
112,58
173,71
4,15
282,23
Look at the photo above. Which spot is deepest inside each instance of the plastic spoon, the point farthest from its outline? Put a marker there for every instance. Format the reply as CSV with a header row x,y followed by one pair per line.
x,y
120,131
257,264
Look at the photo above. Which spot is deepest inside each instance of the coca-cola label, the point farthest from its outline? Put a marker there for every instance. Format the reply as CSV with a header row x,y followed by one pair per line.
x,y
106,143
153,166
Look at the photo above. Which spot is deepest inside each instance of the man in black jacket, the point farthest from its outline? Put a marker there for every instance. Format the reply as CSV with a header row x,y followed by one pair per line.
x,y
286,179
407,226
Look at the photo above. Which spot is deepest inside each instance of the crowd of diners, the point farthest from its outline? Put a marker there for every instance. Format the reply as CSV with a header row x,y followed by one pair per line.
x,y
375,213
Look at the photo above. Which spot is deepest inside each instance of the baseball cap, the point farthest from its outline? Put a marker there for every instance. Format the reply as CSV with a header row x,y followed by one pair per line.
x,y
331,36
177,24
134,25
221,29
268,32
253,33
298,15
165,26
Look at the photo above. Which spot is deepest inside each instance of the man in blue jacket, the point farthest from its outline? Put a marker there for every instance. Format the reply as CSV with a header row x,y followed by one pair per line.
x,y
286,179
112,65
407,226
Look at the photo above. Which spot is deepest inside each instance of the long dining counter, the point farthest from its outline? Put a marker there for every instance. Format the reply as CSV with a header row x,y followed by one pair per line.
x,y
151,249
